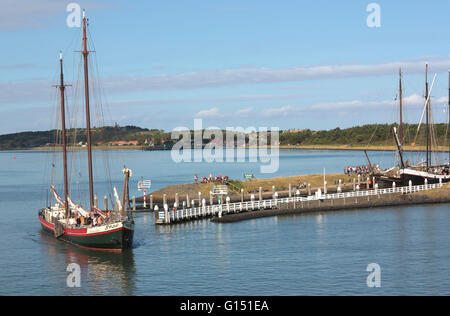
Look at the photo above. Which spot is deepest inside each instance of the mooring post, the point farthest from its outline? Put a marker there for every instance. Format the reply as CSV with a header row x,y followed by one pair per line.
x,y
260,194
96,201
133,202
276,199
426,184
204,206
410,186
356,196
105,202
252,198
290,190
242,195
188,202
273,192
145,201
325,189
157,213
309,189
177,201
359,179
354,184
164,199
166,213
151,202
211,198
199,198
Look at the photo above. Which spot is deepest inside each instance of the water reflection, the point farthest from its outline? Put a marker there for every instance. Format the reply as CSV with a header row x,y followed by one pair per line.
x,y
102,273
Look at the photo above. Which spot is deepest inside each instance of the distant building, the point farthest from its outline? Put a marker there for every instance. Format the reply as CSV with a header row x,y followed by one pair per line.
x,y
124,143
295,130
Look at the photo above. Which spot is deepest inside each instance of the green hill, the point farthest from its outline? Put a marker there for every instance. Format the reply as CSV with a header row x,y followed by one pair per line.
x,y
375,134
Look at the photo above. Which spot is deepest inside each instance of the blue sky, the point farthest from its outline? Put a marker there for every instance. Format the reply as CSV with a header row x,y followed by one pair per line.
x,y
287,64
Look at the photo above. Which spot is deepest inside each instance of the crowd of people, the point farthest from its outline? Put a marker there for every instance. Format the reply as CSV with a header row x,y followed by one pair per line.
x,y
93,220
359,170
211,179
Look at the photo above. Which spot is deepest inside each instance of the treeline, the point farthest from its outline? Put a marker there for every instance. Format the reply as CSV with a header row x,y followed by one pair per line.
x,y
75,137
375,134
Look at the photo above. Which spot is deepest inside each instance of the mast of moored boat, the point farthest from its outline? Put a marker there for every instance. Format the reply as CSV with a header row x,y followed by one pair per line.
x,y
448,128
85,53
400,127
126,172
62,89
427,106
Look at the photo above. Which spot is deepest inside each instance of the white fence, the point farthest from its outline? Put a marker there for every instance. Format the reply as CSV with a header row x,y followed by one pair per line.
x,y
168,216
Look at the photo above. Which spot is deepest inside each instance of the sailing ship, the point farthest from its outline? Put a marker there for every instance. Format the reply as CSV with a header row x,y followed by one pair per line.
x,y
425,171
70,222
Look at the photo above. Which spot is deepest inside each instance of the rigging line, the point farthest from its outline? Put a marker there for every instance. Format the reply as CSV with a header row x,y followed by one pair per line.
x,y
426,103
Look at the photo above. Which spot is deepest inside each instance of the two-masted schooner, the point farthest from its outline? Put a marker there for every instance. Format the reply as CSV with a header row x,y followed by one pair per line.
x,y
86,227
425,171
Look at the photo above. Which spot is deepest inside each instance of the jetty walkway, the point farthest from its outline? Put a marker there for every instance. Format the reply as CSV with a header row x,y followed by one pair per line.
x,y
348,199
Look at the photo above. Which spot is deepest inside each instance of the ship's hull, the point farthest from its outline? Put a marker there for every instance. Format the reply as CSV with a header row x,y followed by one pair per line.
x,y
113,237
418,177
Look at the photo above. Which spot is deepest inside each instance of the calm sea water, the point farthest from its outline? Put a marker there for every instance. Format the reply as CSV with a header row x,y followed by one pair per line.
x,y
322,254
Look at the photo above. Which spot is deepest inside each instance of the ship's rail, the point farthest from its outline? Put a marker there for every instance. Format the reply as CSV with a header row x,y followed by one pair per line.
x,y
167,217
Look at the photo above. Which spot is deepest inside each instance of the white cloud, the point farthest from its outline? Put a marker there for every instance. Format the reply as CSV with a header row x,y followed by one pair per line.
x,y
211,113
228,77
281,111
244,112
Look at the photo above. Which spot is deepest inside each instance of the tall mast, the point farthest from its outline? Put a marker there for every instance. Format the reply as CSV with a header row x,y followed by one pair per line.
x,y
427,107
62,88
85,53
400,128
448,116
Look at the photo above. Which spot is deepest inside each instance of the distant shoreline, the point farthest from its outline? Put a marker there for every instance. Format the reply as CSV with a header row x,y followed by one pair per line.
x,y
299,147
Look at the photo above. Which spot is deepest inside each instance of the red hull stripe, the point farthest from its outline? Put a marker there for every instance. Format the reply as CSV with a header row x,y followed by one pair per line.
x,y
76,232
